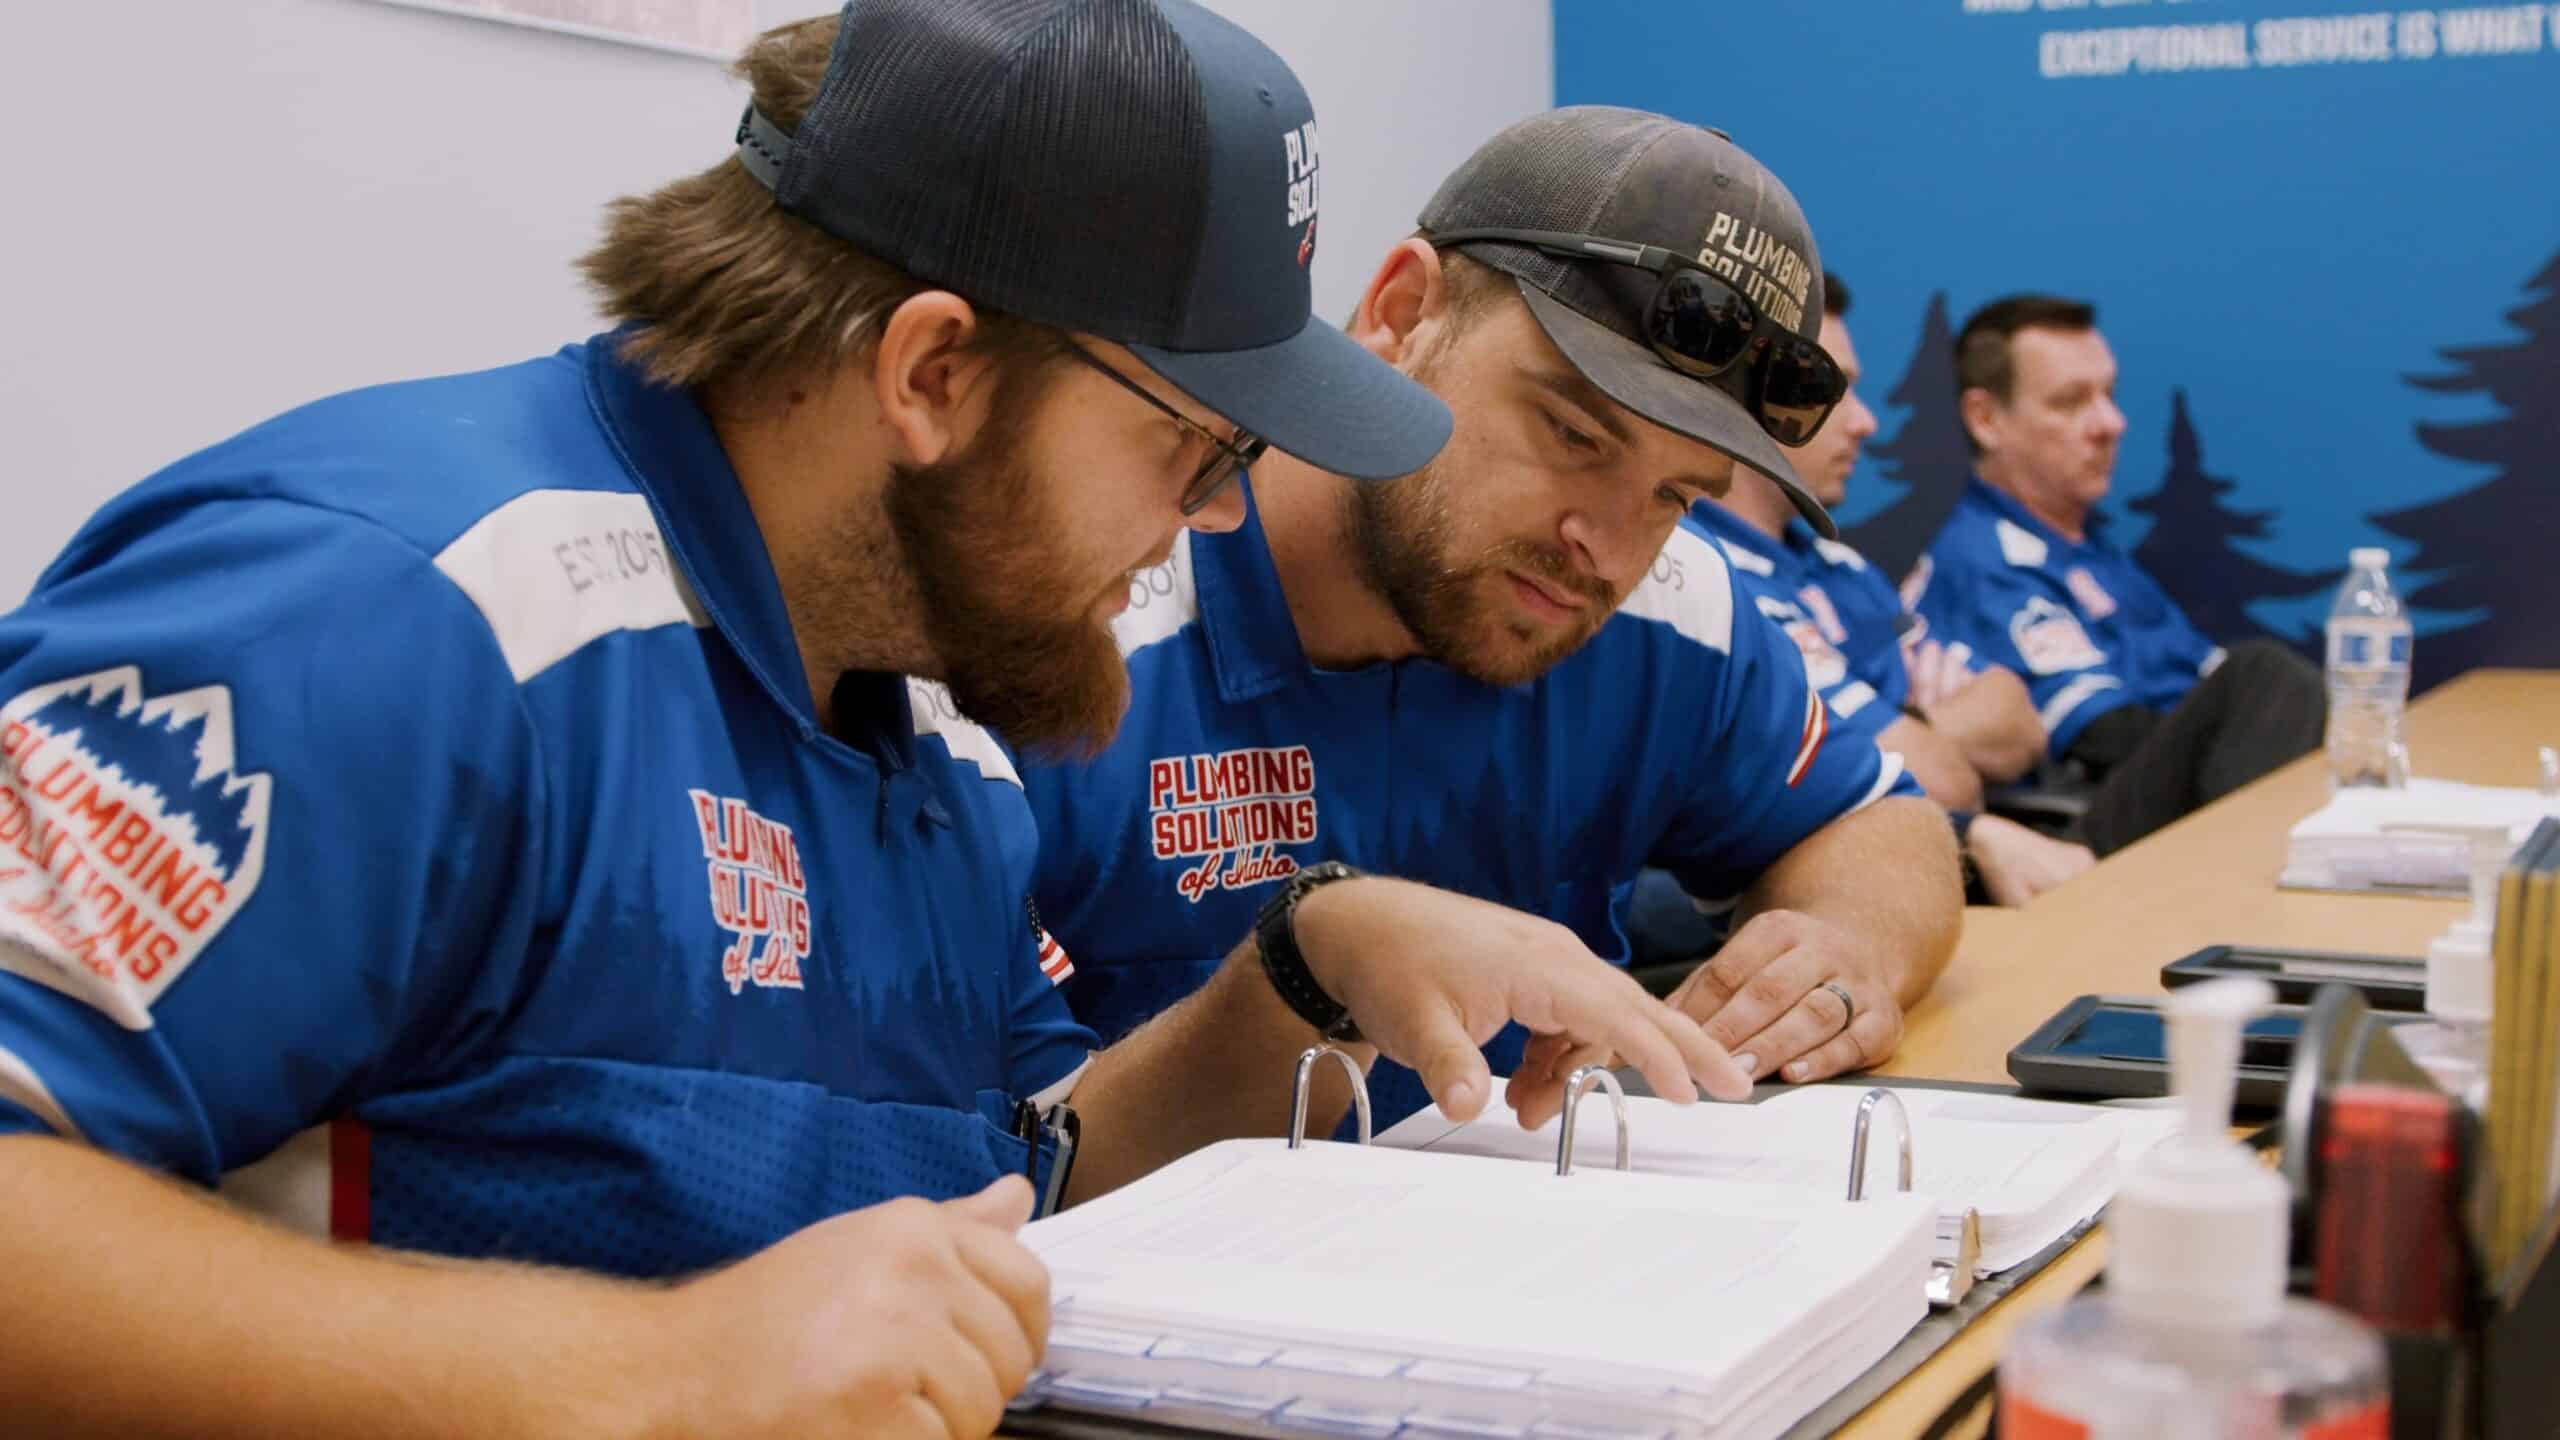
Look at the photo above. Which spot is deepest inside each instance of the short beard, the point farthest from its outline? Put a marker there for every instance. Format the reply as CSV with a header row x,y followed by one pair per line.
x,y
1400,537
968,528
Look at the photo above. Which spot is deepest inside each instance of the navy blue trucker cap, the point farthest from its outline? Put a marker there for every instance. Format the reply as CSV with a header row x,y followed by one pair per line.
x,y
1139,170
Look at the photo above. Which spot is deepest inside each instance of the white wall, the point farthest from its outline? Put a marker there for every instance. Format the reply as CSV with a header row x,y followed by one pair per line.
x,y
218,210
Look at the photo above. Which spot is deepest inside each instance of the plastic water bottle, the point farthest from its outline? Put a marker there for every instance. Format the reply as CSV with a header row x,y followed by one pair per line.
x,y
2368,673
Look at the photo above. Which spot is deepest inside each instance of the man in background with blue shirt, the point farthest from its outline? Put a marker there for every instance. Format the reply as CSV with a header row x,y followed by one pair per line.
x,y
1512,674
1960,727
564,817
2129,692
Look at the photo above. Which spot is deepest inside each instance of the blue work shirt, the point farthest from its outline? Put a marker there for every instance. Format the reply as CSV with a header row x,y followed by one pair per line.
x,y
414,822
2079,621
1842,615
1683,734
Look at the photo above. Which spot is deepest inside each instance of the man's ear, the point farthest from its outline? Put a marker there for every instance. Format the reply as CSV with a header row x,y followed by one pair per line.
x,y
1406,302
932,389
1981,416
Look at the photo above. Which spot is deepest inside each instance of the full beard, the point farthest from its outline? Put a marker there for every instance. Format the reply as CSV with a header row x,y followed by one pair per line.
x,y
993,603
1401,535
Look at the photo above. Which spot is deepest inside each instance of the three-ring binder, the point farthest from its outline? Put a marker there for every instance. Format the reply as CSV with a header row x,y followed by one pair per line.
x,y
1298,1098
1577,1085
1949,1281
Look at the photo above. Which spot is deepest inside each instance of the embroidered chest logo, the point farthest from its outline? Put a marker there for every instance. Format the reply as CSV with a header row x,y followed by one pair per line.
x,y
128,837
1824,665
2050,640
2093,597
1817,603
759,893
1229,813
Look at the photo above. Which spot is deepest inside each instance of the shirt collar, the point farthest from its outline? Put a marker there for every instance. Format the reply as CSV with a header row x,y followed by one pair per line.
x,y
1801,539
1244,614
2000,502
1739,534
667,444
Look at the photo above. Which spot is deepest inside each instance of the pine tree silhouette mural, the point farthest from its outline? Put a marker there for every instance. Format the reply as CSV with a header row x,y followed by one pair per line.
x,y
2190,549
2490,545
1927,459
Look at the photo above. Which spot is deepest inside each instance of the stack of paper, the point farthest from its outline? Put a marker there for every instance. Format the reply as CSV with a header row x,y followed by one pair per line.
x,y
2363,839
1347,1290
2524,1050
2032,1169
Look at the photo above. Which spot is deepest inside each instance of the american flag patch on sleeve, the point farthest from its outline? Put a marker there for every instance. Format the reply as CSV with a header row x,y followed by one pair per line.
x,y
1052,955
1816,725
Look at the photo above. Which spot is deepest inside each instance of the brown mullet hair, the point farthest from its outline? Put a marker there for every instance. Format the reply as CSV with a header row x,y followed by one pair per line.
x,y
719,287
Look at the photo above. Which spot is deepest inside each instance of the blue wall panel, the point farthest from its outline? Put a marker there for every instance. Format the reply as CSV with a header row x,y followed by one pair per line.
x,y
2333,283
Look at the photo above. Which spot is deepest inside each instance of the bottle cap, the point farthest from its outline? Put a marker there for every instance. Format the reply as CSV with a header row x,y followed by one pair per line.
x,y
2369,557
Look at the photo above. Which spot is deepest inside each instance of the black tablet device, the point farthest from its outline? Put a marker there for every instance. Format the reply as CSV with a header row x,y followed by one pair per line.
x,y
2387,982
2115,1046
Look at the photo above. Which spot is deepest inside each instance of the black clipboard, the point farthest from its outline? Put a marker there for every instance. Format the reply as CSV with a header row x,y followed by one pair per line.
x,y
2387,982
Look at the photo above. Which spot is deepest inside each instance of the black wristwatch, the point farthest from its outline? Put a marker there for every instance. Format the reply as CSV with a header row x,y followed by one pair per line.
x,y
1275,935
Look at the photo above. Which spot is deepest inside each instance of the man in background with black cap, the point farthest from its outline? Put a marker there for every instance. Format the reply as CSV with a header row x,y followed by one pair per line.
x,y
545,815
1526,681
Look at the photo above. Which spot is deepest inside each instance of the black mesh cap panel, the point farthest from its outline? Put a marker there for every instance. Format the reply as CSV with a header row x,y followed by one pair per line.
x,y
1555,171
1062,139
1141,170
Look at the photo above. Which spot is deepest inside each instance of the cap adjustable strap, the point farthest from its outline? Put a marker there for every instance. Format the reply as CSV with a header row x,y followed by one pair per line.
x,y
762,148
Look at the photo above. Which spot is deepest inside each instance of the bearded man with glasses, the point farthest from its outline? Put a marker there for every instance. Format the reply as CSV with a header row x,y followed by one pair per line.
x,y
1513,673
563,819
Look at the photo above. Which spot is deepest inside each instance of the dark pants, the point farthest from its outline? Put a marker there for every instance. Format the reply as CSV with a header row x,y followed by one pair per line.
x,y
2263,707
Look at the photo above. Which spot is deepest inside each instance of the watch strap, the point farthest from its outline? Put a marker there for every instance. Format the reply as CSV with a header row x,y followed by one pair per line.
x,y
1275,936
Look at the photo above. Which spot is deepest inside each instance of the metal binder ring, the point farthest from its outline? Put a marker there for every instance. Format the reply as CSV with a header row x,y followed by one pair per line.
x,y
1577,1085
1298,1101
1858,1140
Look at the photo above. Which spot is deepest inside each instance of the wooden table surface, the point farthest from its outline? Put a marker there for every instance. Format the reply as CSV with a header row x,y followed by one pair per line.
x,y
2209,879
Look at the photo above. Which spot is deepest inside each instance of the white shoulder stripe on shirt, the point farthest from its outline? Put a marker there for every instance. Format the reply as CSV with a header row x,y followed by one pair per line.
x,y
1886,775
1743,559
1688,589
936,713
1162,599
20,1082
1840,554
2020,546
290,1185
1059,1090
2072,696
553,571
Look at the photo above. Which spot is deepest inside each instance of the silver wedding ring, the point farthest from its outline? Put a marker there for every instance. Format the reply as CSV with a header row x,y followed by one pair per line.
x,y
1848,1007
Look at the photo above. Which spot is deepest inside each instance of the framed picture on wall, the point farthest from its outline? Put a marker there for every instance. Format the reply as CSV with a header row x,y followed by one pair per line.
x,y
718,29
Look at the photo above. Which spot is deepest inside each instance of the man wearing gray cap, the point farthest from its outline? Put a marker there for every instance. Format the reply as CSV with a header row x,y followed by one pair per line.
x,y
1512,674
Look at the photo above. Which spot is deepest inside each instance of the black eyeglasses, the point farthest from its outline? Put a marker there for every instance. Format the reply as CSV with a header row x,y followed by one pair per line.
x,y
1702,326
1226,459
